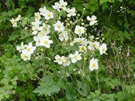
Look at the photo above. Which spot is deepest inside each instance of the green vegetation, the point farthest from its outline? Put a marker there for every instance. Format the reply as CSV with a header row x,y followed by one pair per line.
x,y
44,80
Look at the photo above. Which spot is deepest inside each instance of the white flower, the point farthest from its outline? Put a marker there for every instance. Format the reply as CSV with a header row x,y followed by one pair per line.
x,y
18,18
21,47
59,59
25,56
42,33
82,41
45,28
43,11
103,48
40,38
56,6
79,30
93,20
62,4
36,23
37,16
46,42
14,21
71,12
75,57
36,29
29,48
93,64
66,61
48,15
63,36
82,48
59,26
93,45
37,39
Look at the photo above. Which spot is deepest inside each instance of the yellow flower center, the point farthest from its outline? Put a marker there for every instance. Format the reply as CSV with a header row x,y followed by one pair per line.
x,y
75,57
58,26
94,65
45,42
49,15
29,49
37,16
59,59
79,30
21,47
25,56
45,28
83,49
103,49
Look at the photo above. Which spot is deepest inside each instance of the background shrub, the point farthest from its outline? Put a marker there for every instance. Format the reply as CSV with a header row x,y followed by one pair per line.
x,y
20,81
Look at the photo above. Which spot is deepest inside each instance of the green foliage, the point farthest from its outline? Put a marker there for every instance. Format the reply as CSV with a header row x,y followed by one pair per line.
x,y
48,86
35,81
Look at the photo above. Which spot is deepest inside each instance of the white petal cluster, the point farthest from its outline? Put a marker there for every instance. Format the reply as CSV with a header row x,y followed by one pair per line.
x,y
81,41
82,49
63,36
29,49
75,57
21,47
26,51
37,16
103,49
59,26
61,5
14,21
71,12
49,26
93,45
43,11
62,60
79,30
92,20
93,64
48,15
45,29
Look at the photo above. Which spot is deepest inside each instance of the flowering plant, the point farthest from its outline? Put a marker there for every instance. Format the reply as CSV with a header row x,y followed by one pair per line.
x,y
69,31
60,39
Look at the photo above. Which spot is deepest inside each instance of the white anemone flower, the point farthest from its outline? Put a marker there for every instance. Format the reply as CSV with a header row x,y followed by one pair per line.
x,y
93,64
29,48
59,59
63,36
21,47
103,49
93,45
92,20
36,23
45,28
66,61
79,30
25,56
75,57
46,42
56,6
36,29
61,5
48,15
71,12
82,48
14,21
37,16
43,11
59,26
